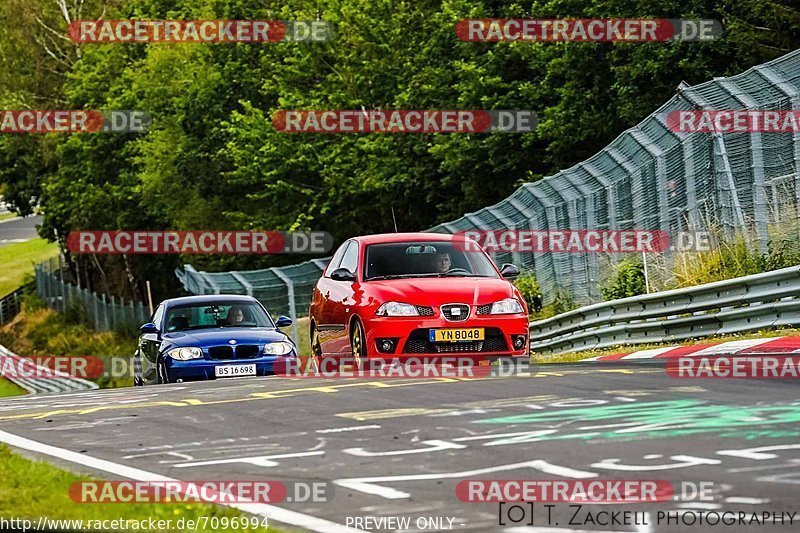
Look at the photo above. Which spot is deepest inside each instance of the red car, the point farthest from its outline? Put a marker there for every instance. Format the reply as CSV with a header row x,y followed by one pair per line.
x,y
416,295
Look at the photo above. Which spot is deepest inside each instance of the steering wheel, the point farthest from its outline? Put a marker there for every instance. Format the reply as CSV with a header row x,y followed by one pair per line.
x,y
458,270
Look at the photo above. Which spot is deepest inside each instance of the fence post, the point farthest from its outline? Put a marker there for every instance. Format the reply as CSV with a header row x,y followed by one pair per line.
x,y
60,299
113,311
292,311
105,312
96,314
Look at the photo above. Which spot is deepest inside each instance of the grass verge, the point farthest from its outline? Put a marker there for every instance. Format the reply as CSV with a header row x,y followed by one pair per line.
x,y
9,389
579,356
38,331
7,216
18,259
33,489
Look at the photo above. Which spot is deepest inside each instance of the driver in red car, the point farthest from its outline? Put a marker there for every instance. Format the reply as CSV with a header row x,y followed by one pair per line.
x,y
442,262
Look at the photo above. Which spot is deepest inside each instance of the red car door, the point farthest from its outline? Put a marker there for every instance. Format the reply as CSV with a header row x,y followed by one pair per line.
x,y
320,310
339,305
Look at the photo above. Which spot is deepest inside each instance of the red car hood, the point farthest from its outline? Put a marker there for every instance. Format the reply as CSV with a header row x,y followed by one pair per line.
x,y
438,291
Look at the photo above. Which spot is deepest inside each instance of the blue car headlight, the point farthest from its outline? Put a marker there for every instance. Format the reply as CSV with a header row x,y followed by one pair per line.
x,y
186,353
278,348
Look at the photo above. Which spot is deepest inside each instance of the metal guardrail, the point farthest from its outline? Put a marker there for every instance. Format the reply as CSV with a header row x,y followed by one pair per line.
x,y
38,384
749,303
11,304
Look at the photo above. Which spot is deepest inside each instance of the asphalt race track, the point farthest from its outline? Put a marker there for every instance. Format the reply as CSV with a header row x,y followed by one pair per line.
x,y
398,447
19,229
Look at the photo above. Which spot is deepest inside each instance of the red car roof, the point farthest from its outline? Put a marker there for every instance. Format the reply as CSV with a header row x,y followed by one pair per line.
x,y
406,237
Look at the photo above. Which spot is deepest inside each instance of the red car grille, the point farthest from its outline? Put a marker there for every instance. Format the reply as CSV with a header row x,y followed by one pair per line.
x,y
455,312
418,342
424,310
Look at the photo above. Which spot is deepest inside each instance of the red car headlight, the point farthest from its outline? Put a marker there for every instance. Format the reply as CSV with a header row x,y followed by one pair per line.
x,y
397,309
509,306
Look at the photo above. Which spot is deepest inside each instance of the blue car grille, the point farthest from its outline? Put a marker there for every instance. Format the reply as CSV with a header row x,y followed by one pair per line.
x,y
244,351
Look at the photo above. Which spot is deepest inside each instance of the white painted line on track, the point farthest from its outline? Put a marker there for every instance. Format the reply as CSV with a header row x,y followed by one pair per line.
x,y
648,354
369,485
729,348
352,428
266,461
271,512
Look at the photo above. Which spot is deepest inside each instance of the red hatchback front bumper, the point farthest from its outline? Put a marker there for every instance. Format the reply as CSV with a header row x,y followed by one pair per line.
x,y
409,337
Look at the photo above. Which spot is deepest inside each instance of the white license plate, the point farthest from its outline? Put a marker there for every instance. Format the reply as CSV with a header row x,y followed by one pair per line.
x,y
234,371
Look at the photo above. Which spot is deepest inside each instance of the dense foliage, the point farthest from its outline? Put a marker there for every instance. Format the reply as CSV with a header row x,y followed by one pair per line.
x,y
214,160
627,279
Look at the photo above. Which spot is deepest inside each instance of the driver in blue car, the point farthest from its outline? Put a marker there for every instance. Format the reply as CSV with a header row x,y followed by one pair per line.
x,y
235,316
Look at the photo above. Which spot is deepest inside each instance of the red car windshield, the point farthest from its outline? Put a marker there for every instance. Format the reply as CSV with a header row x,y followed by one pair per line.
x,y
424,259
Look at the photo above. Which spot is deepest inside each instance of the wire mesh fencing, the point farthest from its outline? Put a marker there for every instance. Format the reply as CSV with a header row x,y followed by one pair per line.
x,y
100,311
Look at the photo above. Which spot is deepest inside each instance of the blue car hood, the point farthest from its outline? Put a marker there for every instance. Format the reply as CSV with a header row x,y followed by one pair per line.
x,y
221,336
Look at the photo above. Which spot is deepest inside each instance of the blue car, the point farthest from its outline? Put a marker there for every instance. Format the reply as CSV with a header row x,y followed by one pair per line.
x,y
210,337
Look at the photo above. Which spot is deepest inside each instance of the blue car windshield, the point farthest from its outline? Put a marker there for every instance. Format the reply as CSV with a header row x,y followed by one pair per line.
x,y
216,315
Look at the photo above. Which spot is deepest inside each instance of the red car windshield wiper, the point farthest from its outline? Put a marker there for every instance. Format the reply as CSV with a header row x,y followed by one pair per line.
x,y
398,276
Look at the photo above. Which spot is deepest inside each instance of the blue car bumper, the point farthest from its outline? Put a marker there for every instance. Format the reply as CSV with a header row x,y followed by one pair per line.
x,y
203,369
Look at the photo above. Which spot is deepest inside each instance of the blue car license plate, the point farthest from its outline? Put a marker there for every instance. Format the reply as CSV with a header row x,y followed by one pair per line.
x,y
234,371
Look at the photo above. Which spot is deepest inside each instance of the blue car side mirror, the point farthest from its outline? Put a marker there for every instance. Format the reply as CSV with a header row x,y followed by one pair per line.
x,y
148,328
283,321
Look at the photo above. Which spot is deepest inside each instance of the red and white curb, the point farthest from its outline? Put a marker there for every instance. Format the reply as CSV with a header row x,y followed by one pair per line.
x,y
763,346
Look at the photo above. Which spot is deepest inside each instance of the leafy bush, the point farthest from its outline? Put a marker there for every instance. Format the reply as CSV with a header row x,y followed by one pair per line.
x,y
627,280
562,303
529,288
